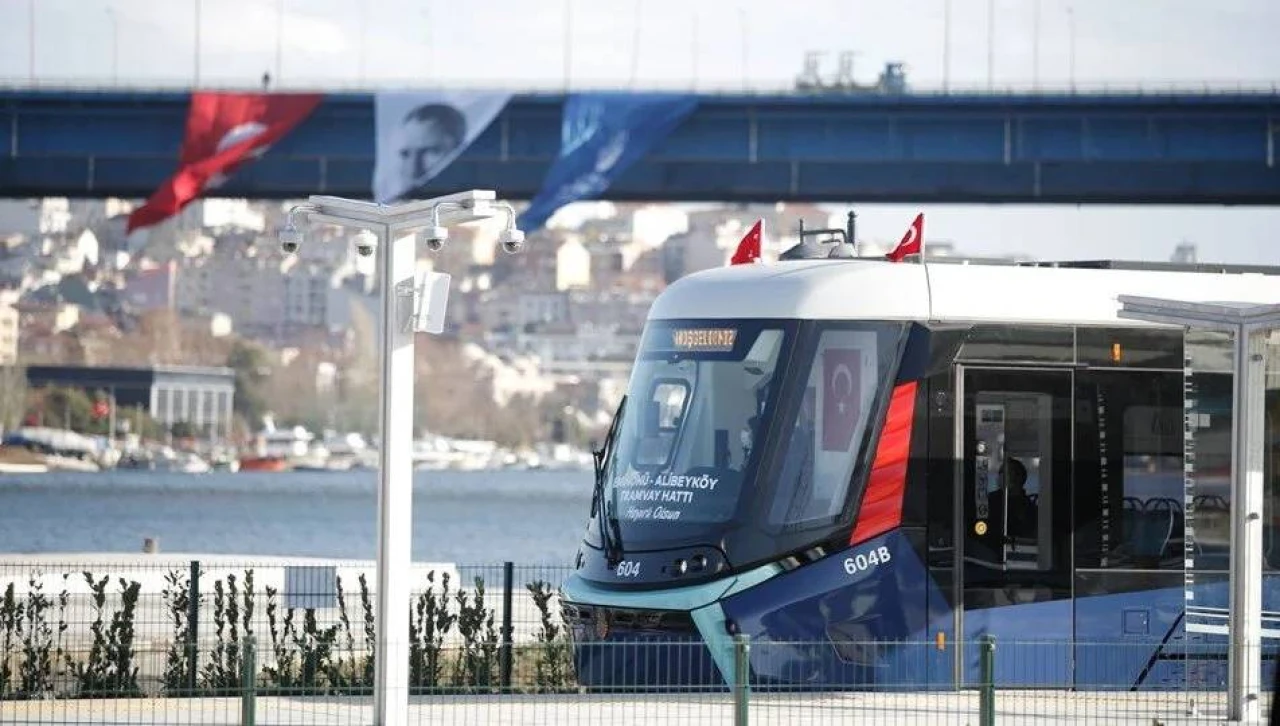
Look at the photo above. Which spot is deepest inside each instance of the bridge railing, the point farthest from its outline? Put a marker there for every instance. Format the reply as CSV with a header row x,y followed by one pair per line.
x,y
762,87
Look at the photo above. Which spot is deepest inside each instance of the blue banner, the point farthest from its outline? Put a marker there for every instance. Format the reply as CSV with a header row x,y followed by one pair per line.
x,y
602,135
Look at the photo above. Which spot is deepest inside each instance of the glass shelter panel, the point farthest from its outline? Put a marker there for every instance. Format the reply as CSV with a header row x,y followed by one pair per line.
x,y
1271,474
1207,451
1271,505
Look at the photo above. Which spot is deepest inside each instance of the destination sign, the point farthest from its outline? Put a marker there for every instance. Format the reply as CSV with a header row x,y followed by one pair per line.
x,y
719,340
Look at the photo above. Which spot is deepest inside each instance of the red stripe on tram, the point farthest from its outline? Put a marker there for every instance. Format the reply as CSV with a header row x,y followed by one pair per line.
x,y
881,508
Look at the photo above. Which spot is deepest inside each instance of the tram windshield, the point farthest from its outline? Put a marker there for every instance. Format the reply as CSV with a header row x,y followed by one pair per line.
x,y
711,404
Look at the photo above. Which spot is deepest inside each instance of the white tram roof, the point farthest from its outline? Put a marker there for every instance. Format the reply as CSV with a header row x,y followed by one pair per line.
x,y
875,289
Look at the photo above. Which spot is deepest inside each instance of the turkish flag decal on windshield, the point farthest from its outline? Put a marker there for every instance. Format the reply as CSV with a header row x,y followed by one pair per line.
x,y
841,397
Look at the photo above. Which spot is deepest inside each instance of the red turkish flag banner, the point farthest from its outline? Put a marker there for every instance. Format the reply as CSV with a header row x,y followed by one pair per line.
x,y
912,242
841,397
749,248
224,130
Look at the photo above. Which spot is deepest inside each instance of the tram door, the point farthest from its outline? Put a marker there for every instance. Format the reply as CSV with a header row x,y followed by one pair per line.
x,y
1014,502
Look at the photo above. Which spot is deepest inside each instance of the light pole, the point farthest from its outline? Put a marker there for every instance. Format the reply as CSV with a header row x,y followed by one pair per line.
x,y
115,46
31,41
991,44
406,308
568,44
946,46
1071,48
279,38
196,56
1035,45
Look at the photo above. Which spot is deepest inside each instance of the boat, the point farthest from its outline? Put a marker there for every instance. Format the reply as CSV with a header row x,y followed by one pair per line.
x,y
263,463
14,460
58,449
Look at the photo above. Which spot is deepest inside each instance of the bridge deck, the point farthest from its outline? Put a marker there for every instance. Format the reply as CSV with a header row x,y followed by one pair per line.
x,y
1116,148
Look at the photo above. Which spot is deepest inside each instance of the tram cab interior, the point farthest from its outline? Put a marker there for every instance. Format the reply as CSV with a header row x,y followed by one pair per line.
x,y
919,475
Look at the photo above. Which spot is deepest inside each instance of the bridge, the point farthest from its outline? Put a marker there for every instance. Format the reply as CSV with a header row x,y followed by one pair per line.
x,y
1206,148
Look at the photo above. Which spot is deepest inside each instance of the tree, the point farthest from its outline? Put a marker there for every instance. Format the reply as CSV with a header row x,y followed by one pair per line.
x,y
252,371
64,408
184,430
13,396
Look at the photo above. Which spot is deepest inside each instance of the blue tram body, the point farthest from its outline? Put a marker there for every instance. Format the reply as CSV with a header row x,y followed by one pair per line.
x,y
866,497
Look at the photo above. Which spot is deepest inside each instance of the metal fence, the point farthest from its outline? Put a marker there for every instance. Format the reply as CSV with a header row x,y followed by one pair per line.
x,y
273,642
254,682
196,611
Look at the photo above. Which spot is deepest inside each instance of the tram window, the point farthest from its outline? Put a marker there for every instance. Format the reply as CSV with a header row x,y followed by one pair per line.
x,y
662,414
1129,347
696,413
1129,486
1019,343
824,436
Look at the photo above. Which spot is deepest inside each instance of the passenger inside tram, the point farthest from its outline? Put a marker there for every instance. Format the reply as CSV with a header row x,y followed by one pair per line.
x,y
1009,505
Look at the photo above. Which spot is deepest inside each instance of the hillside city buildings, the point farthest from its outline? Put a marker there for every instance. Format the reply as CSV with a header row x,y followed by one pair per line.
x,y
567,312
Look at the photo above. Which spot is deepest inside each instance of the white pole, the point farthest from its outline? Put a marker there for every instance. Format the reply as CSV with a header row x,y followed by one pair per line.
x,y
197,53
1071,53
1035,45
395,482
400,316
693,50
568,44
991,44
1245,624
279,38
946,45
31,40
364,34
115,46
635,46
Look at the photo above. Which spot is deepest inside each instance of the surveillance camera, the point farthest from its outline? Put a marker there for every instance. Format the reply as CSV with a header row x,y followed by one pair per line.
x,y
435,238
512,240
364,247
290,240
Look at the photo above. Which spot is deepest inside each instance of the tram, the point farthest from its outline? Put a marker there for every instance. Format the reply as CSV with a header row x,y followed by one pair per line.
x,y
865,467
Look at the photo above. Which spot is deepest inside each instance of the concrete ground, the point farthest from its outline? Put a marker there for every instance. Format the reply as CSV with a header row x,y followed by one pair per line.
x,y
895,709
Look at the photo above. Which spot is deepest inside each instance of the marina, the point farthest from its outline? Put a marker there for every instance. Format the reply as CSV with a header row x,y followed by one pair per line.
x,y
34,450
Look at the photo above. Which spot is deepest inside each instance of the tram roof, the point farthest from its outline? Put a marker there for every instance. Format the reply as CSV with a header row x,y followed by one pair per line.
x,y
1082,293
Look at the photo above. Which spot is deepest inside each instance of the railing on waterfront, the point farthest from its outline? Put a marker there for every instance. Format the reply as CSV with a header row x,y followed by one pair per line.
x,y
197,609
225,641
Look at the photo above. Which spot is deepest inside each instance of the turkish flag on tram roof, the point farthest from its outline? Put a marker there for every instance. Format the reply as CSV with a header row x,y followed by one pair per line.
x,y
749,248
912,242
223,131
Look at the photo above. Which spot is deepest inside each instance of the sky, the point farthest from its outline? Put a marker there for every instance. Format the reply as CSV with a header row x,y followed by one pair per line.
x,y
707,45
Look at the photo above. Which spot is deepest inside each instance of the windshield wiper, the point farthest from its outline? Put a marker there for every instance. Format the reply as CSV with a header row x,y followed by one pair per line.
x,y
607,518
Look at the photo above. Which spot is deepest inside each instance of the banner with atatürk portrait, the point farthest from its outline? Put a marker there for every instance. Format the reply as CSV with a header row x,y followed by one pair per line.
x,y
420,134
